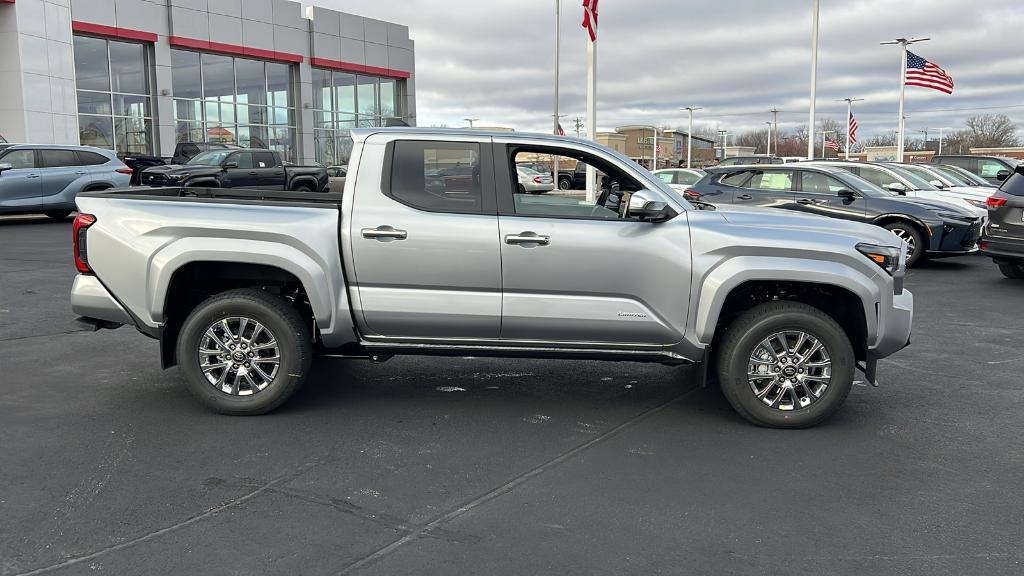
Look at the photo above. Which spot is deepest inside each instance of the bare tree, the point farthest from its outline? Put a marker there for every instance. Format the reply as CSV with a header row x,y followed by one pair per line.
x,y
883,139
756,139
987,131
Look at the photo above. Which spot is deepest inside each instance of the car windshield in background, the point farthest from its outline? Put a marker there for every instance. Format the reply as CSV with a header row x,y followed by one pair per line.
x,y
924,173
953,176
918,182
861,185
528,172
210,158
966,175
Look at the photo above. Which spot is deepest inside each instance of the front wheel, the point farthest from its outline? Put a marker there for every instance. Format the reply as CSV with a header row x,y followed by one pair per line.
x,y
785,365
244,352
1014,270
564,184
912,236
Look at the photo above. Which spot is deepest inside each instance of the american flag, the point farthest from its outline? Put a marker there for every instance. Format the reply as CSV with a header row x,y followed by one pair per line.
x,y
831,144
853,129
925,74
590,18
560,132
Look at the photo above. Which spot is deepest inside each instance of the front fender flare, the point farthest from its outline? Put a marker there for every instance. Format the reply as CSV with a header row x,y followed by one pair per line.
x,y
723,279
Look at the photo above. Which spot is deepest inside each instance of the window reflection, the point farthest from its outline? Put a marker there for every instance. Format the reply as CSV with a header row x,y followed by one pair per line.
x,y
114,109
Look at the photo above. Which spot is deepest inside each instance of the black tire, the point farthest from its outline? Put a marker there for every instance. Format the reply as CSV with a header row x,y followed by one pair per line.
x,y
302,188
565,184
283,322
1014,270
915,234
743,337
521,189
58,214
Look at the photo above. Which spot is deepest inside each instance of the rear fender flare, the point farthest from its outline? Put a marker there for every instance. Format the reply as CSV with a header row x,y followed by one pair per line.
x,y
717,284
329,308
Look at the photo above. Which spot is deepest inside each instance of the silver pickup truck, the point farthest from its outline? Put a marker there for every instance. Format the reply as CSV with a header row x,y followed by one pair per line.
x,y
432,250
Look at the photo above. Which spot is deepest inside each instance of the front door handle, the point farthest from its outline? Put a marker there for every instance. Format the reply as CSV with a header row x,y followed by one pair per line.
x,y
254,173
32,176
384,233
527,238
745,197
81,172
806,201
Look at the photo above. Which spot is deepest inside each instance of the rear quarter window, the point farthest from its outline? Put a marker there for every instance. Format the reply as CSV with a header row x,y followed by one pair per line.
x,y
737,179
1014,184
92,158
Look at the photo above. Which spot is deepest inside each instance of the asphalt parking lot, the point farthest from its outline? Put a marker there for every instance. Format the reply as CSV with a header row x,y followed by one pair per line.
x,y
460,466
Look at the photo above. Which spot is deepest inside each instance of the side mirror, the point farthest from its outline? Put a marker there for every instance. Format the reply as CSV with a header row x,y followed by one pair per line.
x,y
938,184
644,206
1002,175
228,165
897,187
6,166
847,194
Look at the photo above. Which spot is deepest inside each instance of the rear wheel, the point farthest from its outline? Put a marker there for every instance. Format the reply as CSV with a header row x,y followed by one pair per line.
x,y
244,352
785,365
303,188
912,236
1013,270
58,214
564,184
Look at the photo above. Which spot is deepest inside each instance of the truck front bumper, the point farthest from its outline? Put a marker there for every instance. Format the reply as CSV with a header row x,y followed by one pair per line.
x,y
91,300
894,326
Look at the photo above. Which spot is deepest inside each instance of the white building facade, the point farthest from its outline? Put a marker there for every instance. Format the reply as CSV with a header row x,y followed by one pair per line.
x,y
140,76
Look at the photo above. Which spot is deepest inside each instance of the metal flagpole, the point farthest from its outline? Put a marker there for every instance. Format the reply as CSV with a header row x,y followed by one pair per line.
x,y
558,34
903,42
814,78
849,114
592,110
654,150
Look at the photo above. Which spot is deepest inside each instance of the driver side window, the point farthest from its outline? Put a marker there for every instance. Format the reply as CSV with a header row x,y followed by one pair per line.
x,y
19,159
538,194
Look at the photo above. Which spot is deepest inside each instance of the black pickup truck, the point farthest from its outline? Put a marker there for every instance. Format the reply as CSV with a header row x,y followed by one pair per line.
x,y
183,152
245,168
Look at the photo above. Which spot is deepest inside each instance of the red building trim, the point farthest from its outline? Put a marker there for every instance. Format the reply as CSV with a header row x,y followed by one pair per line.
x,y
234,50
353,67
6,1
112,32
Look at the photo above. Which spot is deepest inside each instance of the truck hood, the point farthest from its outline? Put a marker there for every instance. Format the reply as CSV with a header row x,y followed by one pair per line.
x,y
785,219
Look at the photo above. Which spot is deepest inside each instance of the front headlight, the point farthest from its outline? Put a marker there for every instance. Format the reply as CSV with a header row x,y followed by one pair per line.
x,y
176,176
887,257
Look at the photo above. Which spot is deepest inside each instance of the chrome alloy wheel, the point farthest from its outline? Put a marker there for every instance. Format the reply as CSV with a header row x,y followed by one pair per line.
x,y
789,370
239,356
907,237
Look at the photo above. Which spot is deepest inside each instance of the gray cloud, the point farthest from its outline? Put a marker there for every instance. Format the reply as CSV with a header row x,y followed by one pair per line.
x,y
493,60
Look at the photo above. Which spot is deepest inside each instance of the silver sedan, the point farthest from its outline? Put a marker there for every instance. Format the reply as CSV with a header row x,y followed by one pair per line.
x,y
533,182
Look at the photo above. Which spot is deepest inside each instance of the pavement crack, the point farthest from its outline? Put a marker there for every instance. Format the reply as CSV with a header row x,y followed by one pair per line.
x,y
281,479
434,527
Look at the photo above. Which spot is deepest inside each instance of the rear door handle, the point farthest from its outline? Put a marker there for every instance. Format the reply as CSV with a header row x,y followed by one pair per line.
x,y
384,233
32,176
745,197
254,173
527,238
81,172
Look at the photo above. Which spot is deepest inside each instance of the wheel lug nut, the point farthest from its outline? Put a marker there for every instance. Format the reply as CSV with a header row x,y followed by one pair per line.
x,y
793,380
777,369
800,370
251,355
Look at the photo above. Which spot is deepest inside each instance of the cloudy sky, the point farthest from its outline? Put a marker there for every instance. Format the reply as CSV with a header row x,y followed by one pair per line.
x,y
493,60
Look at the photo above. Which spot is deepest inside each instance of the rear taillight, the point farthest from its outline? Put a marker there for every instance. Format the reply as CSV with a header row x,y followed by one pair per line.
x,y
536,179
125,170
993,202
78,230
983,245
690,194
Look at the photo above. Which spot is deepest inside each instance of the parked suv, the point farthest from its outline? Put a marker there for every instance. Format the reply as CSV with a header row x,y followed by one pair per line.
x,y
993,169
1003,239
928,227
45,178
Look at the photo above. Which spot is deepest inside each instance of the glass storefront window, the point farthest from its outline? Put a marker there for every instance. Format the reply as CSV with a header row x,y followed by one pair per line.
x,y
342,101
234,101
114,106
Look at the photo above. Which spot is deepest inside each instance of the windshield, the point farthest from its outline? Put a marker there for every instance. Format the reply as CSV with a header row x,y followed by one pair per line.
x,y
528,172
861,185
953,176
210,158
928,175
971,178
918,182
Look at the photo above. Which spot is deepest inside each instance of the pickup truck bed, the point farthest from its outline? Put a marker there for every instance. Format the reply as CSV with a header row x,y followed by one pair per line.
x,y
230,195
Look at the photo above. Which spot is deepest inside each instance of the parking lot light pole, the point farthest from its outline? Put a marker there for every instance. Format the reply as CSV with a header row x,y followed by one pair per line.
x,y
689,133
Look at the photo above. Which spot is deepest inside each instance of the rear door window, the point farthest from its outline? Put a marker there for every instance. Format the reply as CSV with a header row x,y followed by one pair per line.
x,y
820,183
59,158
772,180
436,176
264,159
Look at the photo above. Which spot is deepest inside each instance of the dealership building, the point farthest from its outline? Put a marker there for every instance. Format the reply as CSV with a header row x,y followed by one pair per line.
x,y
139,76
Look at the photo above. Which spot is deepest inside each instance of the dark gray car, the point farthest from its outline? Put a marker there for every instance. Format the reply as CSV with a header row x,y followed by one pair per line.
x,y
1003,239
929,227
